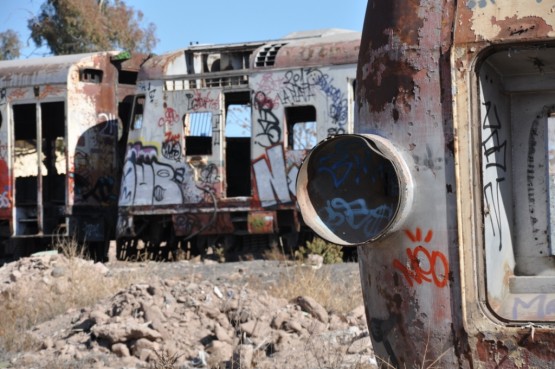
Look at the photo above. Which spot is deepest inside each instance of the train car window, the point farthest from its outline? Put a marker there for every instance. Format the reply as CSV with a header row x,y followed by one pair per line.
x,y
198,133
238,120
301,127
90,75
127,77
137,115
26,161
517,105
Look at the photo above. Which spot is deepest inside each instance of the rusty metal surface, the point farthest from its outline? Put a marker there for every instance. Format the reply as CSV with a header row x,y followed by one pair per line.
x,y
443,289
411,292
329,49
262,222
40,71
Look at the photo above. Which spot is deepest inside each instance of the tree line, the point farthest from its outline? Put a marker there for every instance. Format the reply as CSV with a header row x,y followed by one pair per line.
x,y
82,26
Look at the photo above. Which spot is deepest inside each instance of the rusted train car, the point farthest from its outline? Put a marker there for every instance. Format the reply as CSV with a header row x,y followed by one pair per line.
x,y
61,147
447,187
217,135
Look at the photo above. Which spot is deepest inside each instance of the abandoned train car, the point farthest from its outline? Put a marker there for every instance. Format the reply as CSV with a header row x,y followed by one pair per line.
x,y
448,186
218,133
60,148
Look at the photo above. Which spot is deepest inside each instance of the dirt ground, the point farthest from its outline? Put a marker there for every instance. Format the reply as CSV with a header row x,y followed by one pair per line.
x,y
188,314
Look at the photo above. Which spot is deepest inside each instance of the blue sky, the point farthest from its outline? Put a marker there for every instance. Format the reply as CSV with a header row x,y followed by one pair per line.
x,y
180,22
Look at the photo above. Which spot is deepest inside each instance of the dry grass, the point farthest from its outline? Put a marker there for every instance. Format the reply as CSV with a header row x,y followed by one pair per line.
x,y
277,254
336,295
425,364
80,285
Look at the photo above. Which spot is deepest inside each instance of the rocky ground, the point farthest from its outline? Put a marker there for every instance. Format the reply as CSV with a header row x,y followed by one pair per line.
x,y
185,315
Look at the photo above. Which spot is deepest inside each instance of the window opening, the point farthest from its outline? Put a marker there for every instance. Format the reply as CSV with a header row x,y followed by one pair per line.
x,y
517,166
198,133
26,168
53,170
301,127
90,75
238,120
127,77
238,132
137,116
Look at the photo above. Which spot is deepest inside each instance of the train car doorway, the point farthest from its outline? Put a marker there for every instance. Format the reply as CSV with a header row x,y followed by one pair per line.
x,y
39,169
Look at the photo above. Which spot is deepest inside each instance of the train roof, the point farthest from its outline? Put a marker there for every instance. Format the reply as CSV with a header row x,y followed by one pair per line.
x,y
53,69
310,48
298,49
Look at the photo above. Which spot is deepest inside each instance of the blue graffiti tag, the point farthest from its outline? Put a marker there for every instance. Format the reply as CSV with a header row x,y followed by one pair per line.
x,y
356,215
343,164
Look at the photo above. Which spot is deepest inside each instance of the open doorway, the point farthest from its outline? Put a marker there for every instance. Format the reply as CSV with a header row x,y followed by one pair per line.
x,y
238,132
39,167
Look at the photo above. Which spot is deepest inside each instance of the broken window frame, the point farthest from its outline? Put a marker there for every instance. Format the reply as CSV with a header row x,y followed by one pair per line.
x,y
299,136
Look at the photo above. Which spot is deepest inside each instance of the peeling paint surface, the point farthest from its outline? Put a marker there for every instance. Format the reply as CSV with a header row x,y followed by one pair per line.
x,y
505,20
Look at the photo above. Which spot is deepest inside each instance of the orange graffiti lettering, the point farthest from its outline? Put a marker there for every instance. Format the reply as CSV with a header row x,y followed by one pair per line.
x,y
423,265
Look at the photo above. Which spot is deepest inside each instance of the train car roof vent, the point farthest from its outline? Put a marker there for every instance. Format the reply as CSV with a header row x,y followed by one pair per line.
x,y
266,57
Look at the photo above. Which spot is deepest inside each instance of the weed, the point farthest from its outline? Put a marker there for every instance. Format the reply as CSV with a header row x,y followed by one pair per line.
x,y
70,248
165,361
331,253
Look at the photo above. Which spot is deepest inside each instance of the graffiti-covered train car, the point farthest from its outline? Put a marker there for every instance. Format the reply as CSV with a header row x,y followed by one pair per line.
x,y
217,135
448,186
60,134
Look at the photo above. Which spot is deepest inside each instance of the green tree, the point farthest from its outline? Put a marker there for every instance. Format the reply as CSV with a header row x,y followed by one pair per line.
x,y
78,26
10,45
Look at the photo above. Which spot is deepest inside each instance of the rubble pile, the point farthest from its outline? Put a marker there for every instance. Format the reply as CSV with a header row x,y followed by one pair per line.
x,y
192,325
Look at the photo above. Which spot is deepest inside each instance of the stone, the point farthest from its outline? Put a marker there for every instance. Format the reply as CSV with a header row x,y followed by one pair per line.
x,y
141,345
116,332
219,351
154,315
58,272
360,345
120,349
256,328
312,307
15,275
279,319
315,261
242,357
100,268
99,317
221,334
293,326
